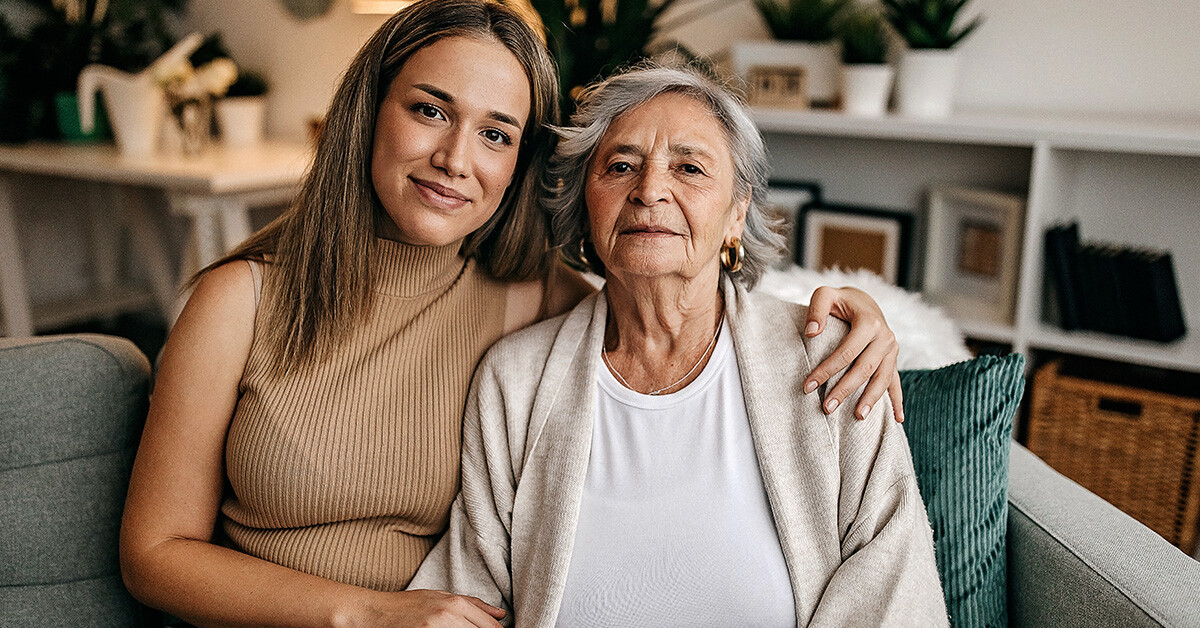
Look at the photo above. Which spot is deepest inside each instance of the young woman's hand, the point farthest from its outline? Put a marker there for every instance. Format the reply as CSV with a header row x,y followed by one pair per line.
x,y
423,609
870,346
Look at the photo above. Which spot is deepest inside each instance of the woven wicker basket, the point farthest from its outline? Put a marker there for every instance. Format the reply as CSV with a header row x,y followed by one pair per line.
x,y
1135,448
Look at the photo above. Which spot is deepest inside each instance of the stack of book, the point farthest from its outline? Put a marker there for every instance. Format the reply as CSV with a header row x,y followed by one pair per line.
x,y
1113,289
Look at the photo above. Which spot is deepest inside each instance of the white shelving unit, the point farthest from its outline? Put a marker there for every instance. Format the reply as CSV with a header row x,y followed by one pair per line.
x,y
1127,180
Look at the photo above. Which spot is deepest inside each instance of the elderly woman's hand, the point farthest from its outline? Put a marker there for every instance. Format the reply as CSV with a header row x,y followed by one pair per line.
x,y
870,346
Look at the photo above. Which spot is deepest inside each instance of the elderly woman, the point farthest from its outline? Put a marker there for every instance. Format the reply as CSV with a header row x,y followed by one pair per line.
x,y
645,459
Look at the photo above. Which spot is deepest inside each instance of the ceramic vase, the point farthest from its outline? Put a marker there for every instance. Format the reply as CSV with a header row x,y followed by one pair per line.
x,y
866,88
925,86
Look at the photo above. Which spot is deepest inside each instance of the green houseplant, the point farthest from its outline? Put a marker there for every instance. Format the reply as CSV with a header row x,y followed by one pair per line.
x,y
19,110
929,68
866,76
68,35
591,38
929,24
805,34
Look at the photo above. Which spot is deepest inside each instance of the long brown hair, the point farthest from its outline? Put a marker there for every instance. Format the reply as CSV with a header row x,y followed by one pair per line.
x,y
322,245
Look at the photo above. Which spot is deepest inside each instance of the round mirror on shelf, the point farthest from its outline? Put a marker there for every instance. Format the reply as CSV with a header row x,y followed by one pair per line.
x,y
307,9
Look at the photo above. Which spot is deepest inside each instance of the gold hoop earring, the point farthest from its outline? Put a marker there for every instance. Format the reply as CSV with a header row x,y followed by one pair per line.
x,y
583,254
732,254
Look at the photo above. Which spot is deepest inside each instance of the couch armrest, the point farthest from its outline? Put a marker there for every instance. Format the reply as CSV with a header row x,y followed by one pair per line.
x,y
1076,560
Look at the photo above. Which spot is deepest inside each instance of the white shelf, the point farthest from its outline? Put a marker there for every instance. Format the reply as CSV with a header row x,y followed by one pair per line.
x,y
1127,180
1183,354
1165,136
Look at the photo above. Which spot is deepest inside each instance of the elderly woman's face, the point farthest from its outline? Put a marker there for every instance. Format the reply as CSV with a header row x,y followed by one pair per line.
x,y
659,191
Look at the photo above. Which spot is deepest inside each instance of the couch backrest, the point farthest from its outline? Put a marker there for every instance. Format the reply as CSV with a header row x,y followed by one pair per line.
x,y
71,412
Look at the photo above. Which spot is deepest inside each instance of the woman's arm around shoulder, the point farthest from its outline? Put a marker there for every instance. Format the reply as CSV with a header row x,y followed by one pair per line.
x,y
168,559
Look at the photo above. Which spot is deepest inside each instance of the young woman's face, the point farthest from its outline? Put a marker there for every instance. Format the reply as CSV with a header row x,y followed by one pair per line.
x,y
447,138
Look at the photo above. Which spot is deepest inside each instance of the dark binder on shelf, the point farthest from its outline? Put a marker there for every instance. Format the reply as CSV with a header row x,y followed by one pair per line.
x,y
1062,265
1169,320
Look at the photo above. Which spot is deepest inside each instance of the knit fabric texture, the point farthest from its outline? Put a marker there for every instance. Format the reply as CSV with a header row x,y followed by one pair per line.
x,y
346,469
959,423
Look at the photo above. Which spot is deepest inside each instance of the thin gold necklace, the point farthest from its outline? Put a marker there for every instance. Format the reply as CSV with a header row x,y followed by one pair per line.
x,y
711,344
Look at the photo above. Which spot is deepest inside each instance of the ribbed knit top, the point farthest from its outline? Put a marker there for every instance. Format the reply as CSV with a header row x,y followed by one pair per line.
x,y
347,469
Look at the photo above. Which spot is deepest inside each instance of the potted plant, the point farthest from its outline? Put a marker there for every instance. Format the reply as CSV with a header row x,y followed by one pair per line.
x,y
591,38
19,110
68,35
866,76
929,68
190,91
241,113
805,33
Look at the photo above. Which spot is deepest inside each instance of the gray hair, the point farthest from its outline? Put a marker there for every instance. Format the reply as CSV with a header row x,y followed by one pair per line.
x,y
604,102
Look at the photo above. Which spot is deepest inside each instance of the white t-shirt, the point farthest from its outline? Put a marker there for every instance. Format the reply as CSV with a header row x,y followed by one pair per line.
x,y
674,526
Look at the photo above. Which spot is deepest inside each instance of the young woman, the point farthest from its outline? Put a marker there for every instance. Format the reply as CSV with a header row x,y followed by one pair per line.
x,y
302,448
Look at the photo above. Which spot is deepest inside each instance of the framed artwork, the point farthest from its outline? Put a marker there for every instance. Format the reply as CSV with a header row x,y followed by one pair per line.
x,y
973,251
784,200
856,238
783,86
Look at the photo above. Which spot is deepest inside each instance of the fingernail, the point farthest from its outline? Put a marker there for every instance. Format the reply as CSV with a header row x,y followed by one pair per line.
x,y
830,406
900,417
809,386
812,328
863,411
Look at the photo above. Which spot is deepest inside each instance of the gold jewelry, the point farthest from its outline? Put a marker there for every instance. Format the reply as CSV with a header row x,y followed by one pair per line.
x,y
732,254
583,253
712,343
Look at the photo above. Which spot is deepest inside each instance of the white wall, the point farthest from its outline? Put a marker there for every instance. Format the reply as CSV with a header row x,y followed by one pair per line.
x,y
1109,56
302,61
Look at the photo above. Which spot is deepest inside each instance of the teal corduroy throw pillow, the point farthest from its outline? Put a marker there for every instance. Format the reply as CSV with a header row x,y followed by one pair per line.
x,y
959,421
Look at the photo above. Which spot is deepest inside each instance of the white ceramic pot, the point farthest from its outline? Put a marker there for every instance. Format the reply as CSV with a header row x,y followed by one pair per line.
x,y
240,120
866,88
821,62
925,87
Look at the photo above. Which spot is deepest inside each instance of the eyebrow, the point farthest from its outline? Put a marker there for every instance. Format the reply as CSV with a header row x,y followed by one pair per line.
x,y
445,97
685,150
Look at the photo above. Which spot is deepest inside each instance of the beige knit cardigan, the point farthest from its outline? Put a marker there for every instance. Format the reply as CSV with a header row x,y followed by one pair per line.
x,y
851,523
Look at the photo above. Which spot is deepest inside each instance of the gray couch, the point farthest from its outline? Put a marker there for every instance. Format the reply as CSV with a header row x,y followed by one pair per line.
x,y
71,409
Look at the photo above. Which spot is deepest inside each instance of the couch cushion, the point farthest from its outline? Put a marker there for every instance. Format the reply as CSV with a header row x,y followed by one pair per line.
x,y
959,422
71,410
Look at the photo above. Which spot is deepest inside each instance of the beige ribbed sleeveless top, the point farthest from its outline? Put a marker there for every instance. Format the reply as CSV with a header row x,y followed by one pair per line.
x,y
347,469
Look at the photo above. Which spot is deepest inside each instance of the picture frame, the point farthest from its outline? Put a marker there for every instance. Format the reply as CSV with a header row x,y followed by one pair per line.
x,y
784,199
973,251
856,238
782,86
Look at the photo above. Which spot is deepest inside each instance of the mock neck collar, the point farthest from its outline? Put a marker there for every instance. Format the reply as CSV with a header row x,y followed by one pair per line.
x,y
407,270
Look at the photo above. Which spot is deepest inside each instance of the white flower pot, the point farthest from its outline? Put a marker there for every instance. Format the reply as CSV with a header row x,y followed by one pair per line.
x,y
925,87
821,62
865,89
240,120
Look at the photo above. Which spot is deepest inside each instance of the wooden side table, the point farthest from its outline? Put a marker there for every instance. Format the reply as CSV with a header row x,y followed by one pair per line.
x,y
215,191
